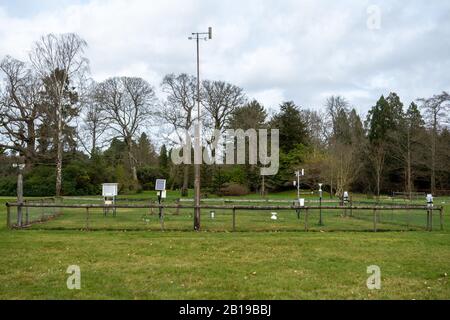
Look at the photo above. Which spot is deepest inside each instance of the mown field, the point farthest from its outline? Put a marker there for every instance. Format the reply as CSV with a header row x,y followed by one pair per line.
x,y
291,264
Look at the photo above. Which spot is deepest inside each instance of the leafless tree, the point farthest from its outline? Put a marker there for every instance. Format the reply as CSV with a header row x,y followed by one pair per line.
x,y
220,99
335,106
93,124
337,109
317,128
19,108
52,56
178,110
436,112
343,166
127,104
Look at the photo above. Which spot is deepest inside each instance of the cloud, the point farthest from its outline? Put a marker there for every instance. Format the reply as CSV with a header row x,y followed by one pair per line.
x,y
277,50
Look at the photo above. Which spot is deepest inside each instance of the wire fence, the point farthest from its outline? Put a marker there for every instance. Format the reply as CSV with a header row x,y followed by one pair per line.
x,y
58,215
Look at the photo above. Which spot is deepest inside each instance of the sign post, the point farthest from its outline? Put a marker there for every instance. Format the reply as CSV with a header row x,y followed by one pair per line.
x,y
430,201
160,186
320,204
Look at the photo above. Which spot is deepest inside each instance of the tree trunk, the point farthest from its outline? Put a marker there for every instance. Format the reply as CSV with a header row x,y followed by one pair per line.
x,y
59,153
408,168
331,188
133,165
184,189
433,157
131,159
94,139
31,144
263,186
409,176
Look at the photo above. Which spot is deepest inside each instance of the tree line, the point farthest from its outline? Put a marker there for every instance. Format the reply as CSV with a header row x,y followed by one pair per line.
x,y
74,134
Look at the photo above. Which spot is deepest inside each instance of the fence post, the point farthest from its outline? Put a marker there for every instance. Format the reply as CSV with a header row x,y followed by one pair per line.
x,y
431,219
161,217
42,210
27,216
19,215
234,219
408,219
8,216
351,207
441,218
428,219
306,220
178,207
374,220
87,218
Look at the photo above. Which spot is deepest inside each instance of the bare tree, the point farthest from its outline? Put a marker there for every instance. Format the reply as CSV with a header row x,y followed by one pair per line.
x,y
338,136
19,108
336,106
220,99
436,112
127,104
317,128
53,56
94,125
178,110
343,165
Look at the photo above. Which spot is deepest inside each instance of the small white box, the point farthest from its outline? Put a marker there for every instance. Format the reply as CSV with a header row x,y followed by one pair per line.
x,y
163,194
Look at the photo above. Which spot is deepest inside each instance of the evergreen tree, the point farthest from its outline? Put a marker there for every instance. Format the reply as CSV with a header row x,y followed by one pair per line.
x,y
293,130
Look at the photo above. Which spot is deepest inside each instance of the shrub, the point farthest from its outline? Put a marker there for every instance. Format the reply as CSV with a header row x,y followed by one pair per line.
x,y
234,189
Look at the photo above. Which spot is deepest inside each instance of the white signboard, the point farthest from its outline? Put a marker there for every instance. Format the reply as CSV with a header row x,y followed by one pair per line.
x,y
110,189
160,185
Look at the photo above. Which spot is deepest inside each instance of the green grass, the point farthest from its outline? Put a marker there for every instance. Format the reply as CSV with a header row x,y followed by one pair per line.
x,y
221,265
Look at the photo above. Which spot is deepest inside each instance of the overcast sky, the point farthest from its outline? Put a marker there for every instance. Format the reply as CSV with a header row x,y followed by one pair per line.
x,y
302,50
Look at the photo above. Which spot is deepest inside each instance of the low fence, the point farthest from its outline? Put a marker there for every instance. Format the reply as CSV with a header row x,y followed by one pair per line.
x,y
178,217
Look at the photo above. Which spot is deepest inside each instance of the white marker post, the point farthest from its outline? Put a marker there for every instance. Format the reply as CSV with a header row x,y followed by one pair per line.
x,y
160,186
298,174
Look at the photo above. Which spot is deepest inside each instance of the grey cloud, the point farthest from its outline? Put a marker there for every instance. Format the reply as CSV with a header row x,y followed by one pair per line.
x,y
289,50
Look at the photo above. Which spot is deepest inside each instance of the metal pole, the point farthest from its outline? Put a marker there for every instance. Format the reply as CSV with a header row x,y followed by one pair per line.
x,y
306,220
197,138
351,207
320,212
234,219
375,220
431,219
161,212
441,218
19,197
8,216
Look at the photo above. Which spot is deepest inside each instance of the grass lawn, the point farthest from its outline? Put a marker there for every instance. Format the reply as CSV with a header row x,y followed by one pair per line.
x,y
222,265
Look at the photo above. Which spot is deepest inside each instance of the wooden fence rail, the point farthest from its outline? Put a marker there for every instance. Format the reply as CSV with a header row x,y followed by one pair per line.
x,y
374,208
